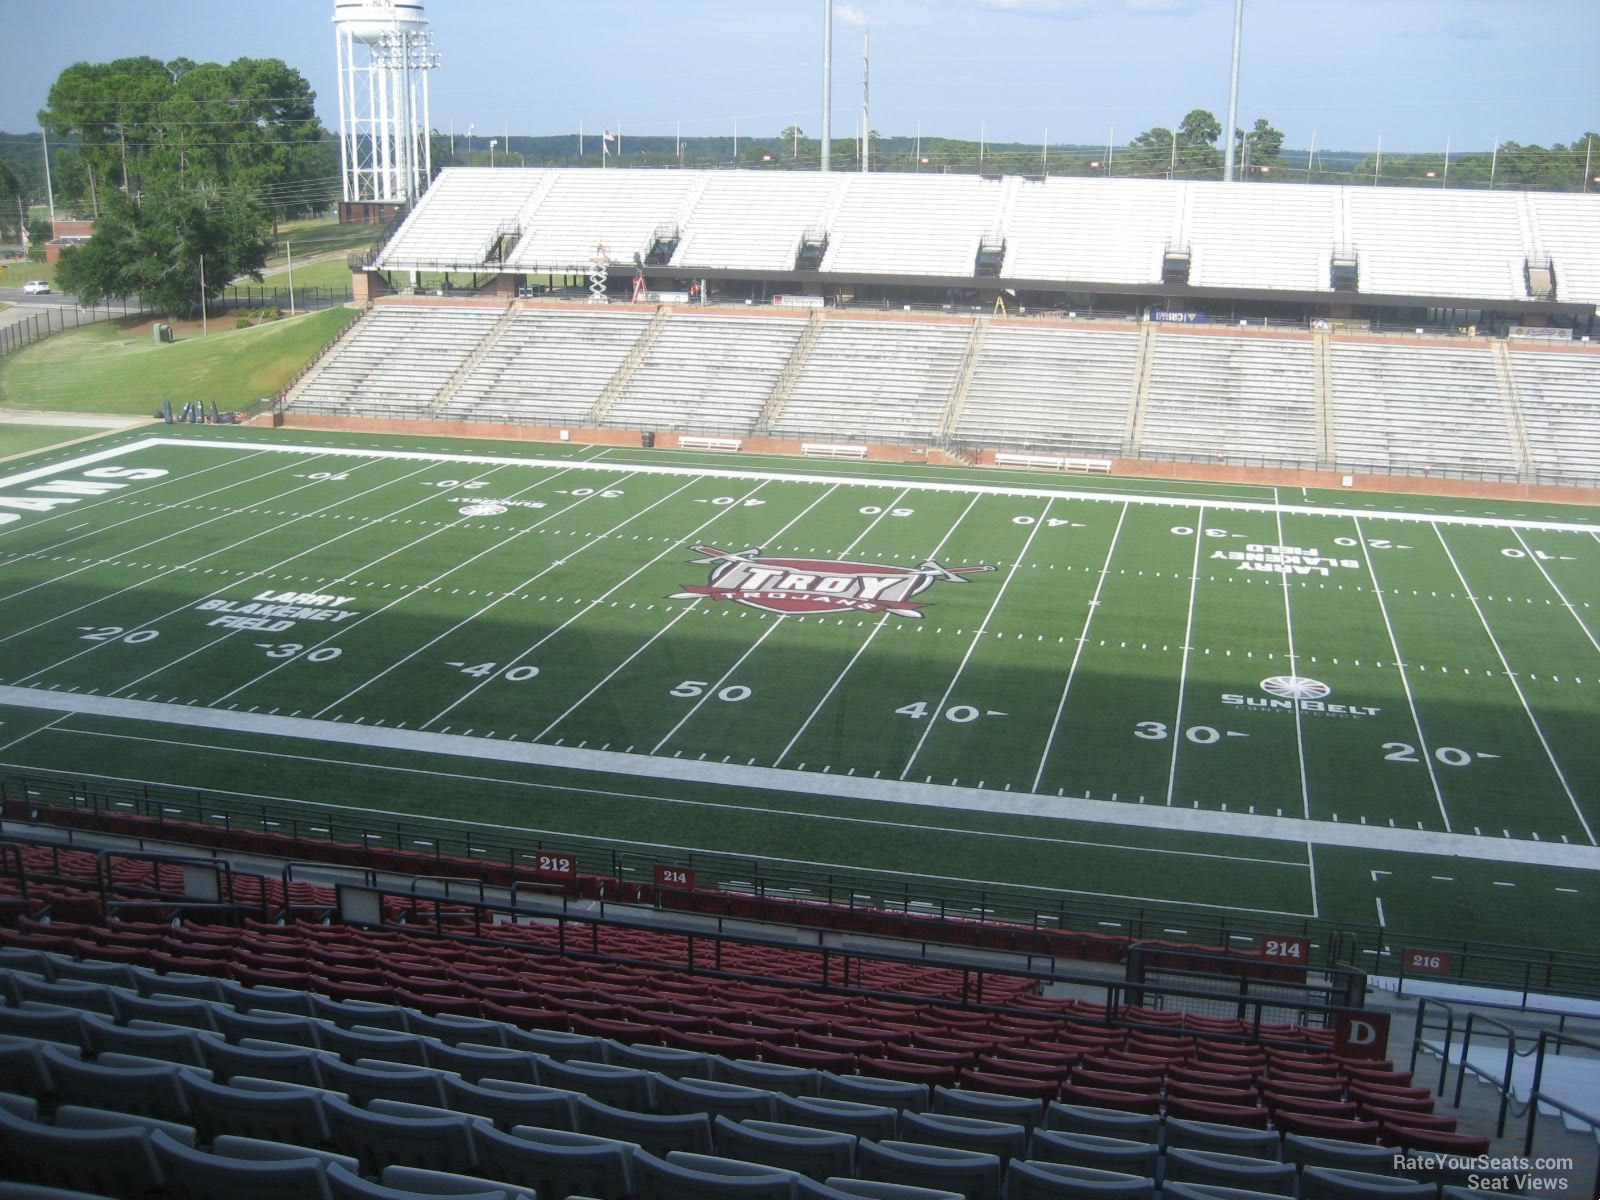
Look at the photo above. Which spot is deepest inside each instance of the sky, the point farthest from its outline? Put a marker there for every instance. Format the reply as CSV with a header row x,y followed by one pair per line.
x,y
1415,73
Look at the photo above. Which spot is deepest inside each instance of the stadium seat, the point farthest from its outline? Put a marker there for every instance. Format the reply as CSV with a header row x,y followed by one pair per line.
x,y
665,1061
1326,1128
841,1188
347,1185
414,1181
148,1039
198,1175
1027,1180
1107,1122
620,1087
897,1093
509,1103
842,1116
682,1176
232,1146
262,1060
1228,1170
103,1162
371,1079
657,1133
1000,1138
1330,1183
816,1153
775,1077
73,1116
1307,1151
79,994
151,1089
969,1173
555,1162
1094,1150
962,1102
378,1139
279,1113
361,1041
50,1023
193,1011
731,1100
474,1062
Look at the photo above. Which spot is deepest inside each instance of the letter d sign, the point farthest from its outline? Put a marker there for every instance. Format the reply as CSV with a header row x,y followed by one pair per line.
x,y
1360,1033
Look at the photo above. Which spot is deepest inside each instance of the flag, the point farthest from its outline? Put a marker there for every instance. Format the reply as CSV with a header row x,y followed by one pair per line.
x,y
605,142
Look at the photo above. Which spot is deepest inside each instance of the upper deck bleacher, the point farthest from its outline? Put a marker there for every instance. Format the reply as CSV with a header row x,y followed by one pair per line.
x,y
583,209
1092,230
1567,229
754,220
910,224
1272,236
455,222
1422,242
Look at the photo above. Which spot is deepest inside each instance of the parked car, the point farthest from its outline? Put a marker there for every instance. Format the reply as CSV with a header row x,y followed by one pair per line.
x,y
36,287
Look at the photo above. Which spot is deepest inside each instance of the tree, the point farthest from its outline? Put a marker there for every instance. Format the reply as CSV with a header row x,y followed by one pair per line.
x,y
1258,147
155,248
792,136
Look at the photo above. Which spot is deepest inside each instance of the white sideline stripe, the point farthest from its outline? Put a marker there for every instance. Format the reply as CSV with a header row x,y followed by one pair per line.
x,y
1527,708
807,783
1405,679
1077,654
1176,732
867,481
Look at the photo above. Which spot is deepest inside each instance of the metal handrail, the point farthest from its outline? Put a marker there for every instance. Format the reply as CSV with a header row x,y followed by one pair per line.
x,y
1536,1096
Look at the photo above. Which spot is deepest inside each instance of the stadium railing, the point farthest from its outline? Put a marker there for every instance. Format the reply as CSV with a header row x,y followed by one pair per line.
x,y
1029,921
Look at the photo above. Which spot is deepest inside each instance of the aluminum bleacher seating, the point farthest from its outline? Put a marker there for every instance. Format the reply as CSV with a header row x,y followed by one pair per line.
x,y
1407,408
1433,242
707,373
580,210
1093,230
1231,399
875,381
1262,237
1559,396
1050,389
458,216
754,220
894,224
1567,229
396,361
547,368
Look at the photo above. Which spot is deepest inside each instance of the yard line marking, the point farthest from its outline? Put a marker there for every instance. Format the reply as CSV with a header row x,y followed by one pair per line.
x,y
164,666
1405,678
977,637
1311,866
689,803
1188,645
112,556
836,785
883,620
340,630
1511,675
151,486
682,613
1567,604
190,563
588,608
718,685
16,741
1299,727
1039,493
1083,638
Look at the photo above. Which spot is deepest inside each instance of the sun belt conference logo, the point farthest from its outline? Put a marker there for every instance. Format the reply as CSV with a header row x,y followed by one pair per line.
x,y
482,508
1295,687
787,586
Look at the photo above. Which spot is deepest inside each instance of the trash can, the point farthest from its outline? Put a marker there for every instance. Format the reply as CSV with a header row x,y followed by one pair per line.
x,y
647,439
163,333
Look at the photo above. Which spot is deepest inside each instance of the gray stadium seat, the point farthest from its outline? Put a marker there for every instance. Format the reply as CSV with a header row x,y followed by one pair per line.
x,y
369,1079
150,983
1226,1139
111,973
152,1090
199,1175
25,958
453,1030
555,1162
45,1022
817,1153
1092,1150
509,1103
1211,1191
283,1114
840,1188
233,1146
1000,1138
287,1028
18,1105
106,1162
474,1062
10,1190
732,1100
663,1060
416,1181
193,1011
775,1077
151,1039
22,1069
346,1185
378,1139
1107,1122
659,1134
1026,1180
347,1014
1183,1165
1330,1183
896,1093
620,1087
992,1107
74,1116
264,999
1305,1151
362,1041
263,1060
683,1176
969,1173
562,1047
67,993
842,1116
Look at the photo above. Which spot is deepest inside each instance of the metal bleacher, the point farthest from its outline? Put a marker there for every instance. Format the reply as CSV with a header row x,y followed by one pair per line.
x,y
884,381
1419,409
707,373
396,361
548,368
755,221
1050,389
1560,402
1412,242
1567,229
458,216
1231,399
911,224
584,208
1264,236
1105,230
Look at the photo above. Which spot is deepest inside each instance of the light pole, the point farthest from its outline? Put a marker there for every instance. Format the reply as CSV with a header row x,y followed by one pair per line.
x,y
493,142
470,128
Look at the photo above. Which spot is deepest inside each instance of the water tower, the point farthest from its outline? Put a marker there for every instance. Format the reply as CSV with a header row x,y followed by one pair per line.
x,y
385,53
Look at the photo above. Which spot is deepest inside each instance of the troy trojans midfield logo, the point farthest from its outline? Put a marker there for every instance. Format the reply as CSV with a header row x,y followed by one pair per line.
x,y
807,585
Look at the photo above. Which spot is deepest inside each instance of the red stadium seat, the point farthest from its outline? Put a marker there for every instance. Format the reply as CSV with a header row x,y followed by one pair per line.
x,y
1327,1127
1251,1116
1010,1085
1134,1102
1462,1145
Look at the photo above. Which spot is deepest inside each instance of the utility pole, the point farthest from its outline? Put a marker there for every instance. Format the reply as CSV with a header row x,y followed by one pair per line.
x,y
827,83
1588,158
1044,153
1494,161
1445,181
1377,169
866,119
49,192
1111,143
205,328
288,249
1233,92
983,130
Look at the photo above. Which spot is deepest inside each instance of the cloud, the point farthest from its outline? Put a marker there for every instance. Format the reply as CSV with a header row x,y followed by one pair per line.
x,y
849,14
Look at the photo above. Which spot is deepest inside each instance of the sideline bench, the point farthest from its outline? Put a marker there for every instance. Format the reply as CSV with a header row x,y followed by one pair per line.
x,y
1056,462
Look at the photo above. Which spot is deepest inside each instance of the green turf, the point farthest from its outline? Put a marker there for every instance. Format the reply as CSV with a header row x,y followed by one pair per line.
x,y
19,271
114,368
20,439
1093,661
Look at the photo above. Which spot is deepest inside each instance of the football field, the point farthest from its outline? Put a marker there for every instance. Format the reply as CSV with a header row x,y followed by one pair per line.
x,y
1307,706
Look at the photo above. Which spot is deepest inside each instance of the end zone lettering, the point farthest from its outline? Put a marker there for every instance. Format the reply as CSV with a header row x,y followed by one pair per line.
x,y
273,612
97,481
